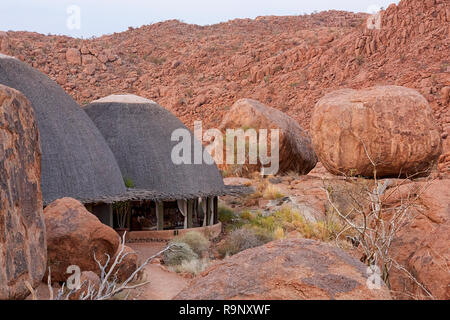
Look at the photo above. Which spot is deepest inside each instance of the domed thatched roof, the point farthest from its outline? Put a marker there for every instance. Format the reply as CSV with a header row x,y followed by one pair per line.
x,y
138,132
76,161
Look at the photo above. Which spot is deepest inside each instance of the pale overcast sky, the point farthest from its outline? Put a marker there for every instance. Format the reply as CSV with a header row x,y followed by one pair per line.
x,y
98,17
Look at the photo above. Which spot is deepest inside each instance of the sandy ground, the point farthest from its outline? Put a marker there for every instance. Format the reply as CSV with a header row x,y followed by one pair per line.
x,y
164,285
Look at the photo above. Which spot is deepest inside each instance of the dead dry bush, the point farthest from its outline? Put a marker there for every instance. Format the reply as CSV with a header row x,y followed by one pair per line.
x,y
108,287
366,209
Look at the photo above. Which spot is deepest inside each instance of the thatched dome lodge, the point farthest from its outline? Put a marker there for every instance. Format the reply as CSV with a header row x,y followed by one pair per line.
x,y
76,160
139,132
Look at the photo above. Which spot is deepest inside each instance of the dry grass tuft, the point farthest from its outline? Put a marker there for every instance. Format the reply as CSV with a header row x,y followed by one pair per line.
x,y
194,266
272,192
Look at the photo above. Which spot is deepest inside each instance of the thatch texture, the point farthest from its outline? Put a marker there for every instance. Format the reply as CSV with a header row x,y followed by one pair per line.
x,y
76,161
146,195
138,132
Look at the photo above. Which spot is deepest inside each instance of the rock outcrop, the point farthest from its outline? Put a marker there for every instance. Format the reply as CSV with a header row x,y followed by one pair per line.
x,y
444,165
74,236
422,246
295,149
23,253
388,126
288,269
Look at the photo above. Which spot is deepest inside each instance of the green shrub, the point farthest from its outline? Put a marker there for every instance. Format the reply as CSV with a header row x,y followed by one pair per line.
x,y
128,182
178,253
246,215
195,240
263,235
287,220
226,215
238,223
242,239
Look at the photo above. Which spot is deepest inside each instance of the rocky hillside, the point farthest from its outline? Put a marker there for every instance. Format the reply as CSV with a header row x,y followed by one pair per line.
x,y
198,72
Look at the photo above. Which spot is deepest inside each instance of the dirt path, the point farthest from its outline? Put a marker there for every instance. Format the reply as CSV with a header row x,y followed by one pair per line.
x,y
164,285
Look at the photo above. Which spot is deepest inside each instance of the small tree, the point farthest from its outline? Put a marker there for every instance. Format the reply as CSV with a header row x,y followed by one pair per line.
x,y
122,211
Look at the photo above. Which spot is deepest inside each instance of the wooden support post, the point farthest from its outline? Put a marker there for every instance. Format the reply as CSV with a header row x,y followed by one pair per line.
x,y
160,215
195,219
110,216
129,216
208,211
216,210
212,217
190,210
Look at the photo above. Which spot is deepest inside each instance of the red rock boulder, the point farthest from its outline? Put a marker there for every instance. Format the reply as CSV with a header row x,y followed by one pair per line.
x,y
295,148
129,262
422,246
89,282
290,269
73,56
392,127
444,164
23,250
74,235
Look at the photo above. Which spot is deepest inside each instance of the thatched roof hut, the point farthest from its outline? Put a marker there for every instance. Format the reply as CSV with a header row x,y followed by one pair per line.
x,y
138,132
76,161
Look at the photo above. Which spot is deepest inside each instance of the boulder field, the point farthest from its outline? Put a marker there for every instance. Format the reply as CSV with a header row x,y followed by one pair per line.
x,y
299,65
421,245
287,62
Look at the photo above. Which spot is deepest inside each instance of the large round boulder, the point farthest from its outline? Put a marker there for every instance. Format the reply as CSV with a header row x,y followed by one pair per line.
x,y
291,269
295,149
390,127
23,253
74,237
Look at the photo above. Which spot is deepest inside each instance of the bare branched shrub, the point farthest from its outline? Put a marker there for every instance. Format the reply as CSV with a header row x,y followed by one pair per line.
x,y
109,286
366,210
